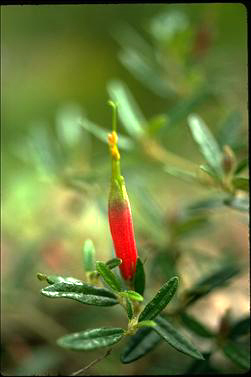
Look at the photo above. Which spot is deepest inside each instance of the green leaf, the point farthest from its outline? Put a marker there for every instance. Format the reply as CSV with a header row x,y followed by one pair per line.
x,y
195,326
229,133
165,329
241,183
183,174
242,165
145,71
139,277
207,143
100,133
128,110
82,292
129,309
189,225
144,341
114,262
52,279
239,328
108,276
89,256
204,205
91,339
160,300
146,323
216,280
134,296
238,202
237,354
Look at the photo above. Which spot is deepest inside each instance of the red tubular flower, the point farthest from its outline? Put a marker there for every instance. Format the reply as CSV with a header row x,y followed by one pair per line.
x,y
119,214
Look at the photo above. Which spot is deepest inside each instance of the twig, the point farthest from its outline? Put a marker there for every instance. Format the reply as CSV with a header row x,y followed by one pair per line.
x,y
92,363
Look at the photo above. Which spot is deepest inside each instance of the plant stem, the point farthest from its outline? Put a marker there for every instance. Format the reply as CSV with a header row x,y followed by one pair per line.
x,y
92,363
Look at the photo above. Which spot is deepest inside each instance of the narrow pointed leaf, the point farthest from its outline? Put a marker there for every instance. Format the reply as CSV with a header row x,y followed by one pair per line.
x,y
108,276
237,354
160,301
129,308
207,143
52,279
195,326
144,341
230,131
91,339
139,278
134,296
165,329
114,262
182,174
82,292
216,280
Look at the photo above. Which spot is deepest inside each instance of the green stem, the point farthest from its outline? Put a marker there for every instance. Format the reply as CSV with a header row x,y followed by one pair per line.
x,y
114,115
116,169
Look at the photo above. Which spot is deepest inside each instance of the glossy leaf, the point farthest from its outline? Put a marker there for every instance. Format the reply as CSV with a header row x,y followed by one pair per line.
x,y
89,256
237,354
165,329
114,262
144,341
241,183
239,328
108,276
139,277
207,143
160,300
82,292
195,326
134,296
216,280
52,279
91,339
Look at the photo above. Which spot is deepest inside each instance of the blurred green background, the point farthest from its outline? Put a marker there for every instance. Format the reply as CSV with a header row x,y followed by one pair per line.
x,y
61,64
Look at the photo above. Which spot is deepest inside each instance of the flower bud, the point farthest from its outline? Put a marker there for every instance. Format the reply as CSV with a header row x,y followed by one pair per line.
x,y
119,212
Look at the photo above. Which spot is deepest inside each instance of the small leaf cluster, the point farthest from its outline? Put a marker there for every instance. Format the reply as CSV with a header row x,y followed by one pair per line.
x,y
146,324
